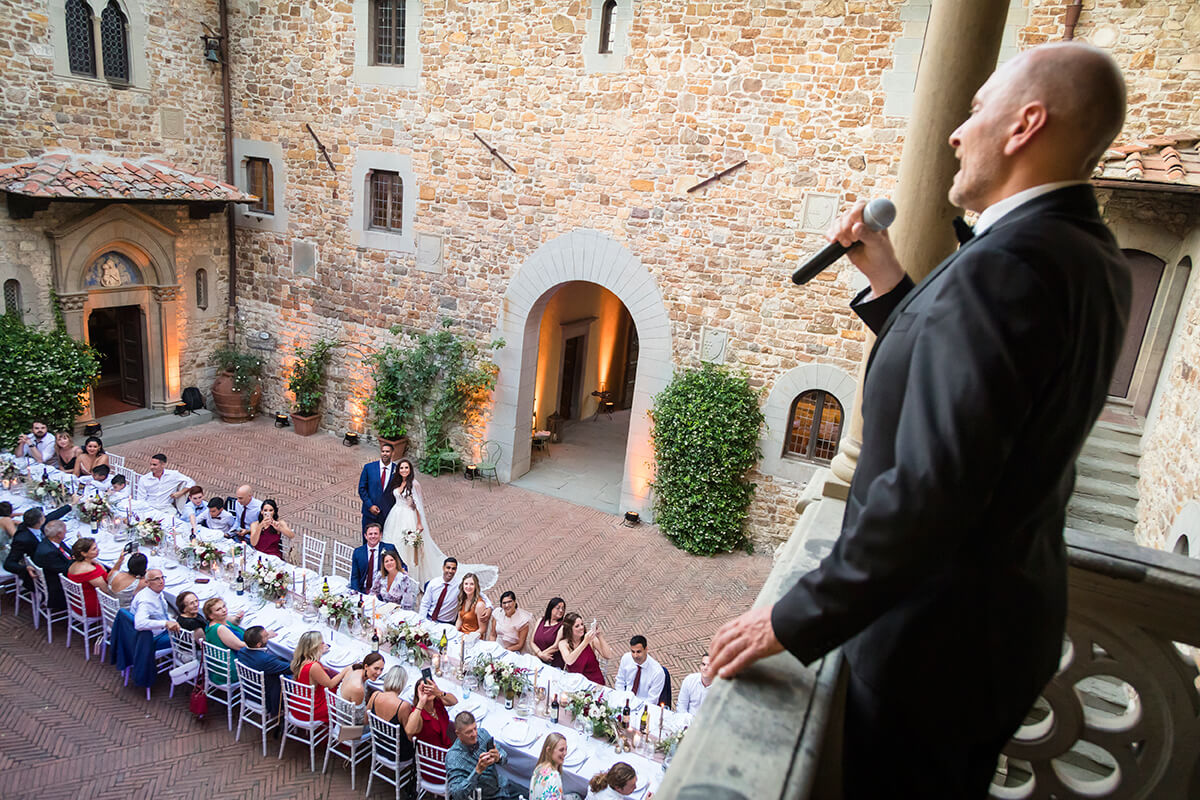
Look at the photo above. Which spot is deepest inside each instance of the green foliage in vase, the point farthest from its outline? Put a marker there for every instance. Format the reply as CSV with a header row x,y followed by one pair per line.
x,y
307,378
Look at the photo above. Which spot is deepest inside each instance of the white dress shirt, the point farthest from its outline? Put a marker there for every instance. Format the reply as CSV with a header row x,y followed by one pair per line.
x,y
119,499
997,211
653,678
150,610
156,492
94,487
691,694
449,610
45,446
223,522
246,515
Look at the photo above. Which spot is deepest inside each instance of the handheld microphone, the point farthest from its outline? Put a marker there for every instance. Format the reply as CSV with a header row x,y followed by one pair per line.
x,y
878,215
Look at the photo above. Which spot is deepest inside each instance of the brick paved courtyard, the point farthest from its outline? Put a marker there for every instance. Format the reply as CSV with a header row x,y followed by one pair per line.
x,y
68,728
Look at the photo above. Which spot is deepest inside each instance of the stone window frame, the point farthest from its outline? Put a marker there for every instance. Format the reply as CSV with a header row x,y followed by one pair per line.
x,y
244,215
361,232
266,192
406,76
202,289
595,61
27,287
17,307
786,389
136,29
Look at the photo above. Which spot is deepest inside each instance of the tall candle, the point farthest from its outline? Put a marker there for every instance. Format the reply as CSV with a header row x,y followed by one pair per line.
x,y
662,712
374,616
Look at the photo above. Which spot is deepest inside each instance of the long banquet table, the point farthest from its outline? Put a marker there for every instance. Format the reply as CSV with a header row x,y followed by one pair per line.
x,y
520,736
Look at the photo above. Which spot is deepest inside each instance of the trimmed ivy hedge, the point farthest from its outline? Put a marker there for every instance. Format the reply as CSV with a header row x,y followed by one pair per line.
x,y
705,434
44,378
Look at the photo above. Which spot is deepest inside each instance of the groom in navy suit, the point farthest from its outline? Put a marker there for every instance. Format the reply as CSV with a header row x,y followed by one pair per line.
x,y
377,501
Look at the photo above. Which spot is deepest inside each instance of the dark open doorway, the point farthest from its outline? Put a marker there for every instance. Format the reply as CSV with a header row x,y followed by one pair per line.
x,y
574,354
117,334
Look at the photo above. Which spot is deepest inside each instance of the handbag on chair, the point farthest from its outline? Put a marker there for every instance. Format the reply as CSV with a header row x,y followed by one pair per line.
x,y
198,704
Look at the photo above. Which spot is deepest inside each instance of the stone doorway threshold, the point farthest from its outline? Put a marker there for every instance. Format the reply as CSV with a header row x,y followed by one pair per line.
x,y
586,467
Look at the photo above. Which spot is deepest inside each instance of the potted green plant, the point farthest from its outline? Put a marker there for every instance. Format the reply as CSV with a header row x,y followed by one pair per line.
x,y
306,383
389,406
237,389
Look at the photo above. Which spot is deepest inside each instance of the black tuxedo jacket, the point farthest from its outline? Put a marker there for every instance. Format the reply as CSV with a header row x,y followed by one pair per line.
x,y
948,582
24,543
53,563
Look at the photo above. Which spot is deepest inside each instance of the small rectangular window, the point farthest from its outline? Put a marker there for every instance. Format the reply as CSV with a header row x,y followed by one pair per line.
x,y
387,21
387,201
260,182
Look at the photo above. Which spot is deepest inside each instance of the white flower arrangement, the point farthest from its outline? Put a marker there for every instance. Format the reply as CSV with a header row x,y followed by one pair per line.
x,y
148,531
47,491
205,553
335,607
94,509
272,579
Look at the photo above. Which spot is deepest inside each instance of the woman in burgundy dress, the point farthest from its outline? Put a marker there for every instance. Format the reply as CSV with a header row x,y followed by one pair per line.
x,y
579,646
435,726
549,632
266,535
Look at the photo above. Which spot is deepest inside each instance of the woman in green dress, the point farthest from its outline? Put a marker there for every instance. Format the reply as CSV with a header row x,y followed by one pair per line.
x,y
224,634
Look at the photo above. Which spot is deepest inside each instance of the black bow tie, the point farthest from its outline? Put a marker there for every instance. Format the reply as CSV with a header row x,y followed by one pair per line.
x,y
962,231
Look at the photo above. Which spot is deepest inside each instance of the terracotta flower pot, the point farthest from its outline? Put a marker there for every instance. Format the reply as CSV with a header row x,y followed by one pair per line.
x,y
306,426
399,446
231,405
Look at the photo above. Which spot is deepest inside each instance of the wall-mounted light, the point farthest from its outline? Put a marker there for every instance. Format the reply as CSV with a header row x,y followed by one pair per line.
x,y
281,420
350,439
212,48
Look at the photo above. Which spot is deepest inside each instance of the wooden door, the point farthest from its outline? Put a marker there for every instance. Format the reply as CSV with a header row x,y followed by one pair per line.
x,y
572,363
129,341
1147,272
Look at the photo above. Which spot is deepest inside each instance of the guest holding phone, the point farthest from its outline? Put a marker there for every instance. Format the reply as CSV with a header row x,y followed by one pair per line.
x,y
580,645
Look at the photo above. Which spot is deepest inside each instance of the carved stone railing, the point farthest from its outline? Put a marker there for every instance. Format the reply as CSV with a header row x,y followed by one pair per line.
x,y
1121,719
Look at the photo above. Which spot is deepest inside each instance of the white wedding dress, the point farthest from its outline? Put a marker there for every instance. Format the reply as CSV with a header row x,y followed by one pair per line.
x,y
425,561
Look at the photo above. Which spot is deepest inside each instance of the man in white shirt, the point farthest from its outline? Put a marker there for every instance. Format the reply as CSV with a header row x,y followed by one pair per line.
x,y
246,510
694,688
216,517
98,484
161,487
38,445
151,612
440,601
118,493
639,673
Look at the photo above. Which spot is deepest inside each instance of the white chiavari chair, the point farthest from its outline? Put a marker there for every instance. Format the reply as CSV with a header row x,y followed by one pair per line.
x,y
183,652
77,619
431,769
385,755
313,555
254,711
342,560
342,721
41,604
219,679
298,721
109,606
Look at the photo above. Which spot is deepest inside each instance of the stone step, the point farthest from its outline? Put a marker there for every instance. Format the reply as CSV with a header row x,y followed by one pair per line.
x,y
1117,534
1113,432
1120,452
131,425
1085,509
1106,469
1123,493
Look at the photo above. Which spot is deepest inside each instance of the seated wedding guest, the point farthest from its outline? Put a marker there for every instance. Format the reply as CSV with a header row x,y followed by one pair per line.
x,y
55,559
616,783
394,585
307,667
124,585
256,656
161,487
547,783
512,624
38,445
694,688
245,509
216,518
579,645
430,703
471,764
266,535
196,507
118,492
639,672
390,706
99,483
222,633
549,632
189,616
8,528
87,573
364,562
474,614
93,456
66,452
25,541
151,612
440,601
354,686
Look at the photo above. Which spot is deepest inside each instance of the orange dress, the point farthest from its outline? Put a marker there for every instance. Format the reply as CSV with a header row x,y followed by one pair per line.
x,y
469,619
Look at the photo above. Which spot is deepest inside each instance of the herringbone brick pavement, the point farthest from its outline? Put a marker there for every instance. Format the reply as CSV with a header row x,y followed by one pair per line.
x,y
68,728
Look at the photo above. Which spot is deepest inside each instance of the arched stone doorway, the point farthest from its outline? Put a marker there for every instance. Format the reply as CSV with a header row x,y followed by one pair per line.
x,y
594,257
121,259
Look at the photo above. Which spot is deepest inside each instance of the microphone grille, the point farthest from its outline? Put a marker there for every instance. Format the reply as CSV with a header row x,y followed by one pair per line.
x,y
879,213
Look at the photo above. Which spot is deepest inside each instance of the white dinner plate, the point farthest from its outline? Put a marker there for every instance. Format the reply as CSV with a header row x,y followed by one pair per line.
x,y
520,734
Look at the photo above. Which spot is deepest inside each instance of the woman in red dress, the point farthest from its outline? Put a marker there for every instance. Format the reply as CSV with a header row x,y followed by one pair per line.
x,y
430,702
307,667
579,645
87,573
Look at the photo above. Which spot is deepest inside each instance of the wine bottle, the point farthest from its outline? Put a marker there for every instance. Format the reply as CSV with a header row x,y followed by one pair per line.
x,y
375,641
325,586
554,710
443,643
645,725
239,585
508,700
625,714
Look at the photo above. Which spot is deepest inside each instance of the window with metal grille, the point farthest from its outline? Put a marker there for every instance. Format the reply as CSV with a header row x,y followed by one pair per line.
x,y
81,41
12,299
814,426
388,21
201,289
260,182
387,201
606,25
114,42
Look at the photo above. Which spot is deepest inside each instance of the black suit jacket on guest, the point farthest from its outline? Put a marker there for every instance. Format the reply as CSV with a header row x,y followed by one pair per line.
x,y
948,582
24,543
53,563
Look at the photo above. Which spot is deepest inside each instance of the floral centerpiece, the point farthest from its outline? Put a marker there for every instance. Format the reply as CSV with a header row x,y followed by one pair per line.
x,y
273,580
413,638
147,531
667,744
94,509
12,476
204,553
507,677
49,492
337,608
590,705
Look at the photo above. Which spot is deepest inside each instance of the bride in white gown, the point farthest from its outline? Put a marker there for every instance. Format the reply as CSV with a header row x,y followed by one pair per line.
x,y
407,516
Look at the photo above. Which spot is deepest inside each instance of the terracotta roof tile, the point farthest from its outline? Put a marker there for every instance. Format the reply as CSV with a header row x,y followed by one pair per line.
x,y
87,175
1170,161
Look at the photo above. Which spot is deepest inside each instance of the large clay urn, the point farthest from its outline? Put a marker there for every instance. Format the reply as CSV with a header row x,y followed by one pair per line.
x,y
231,404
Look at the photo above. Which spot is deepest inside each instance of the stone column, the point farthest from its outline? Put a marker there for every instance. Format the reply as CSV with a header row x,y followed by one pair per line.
x,y
163,350
962,42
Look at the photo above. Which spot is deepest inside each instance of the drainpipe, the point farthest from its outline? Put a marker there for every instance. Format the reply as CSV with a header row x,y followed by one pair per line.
x,y
230,177
1073,12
